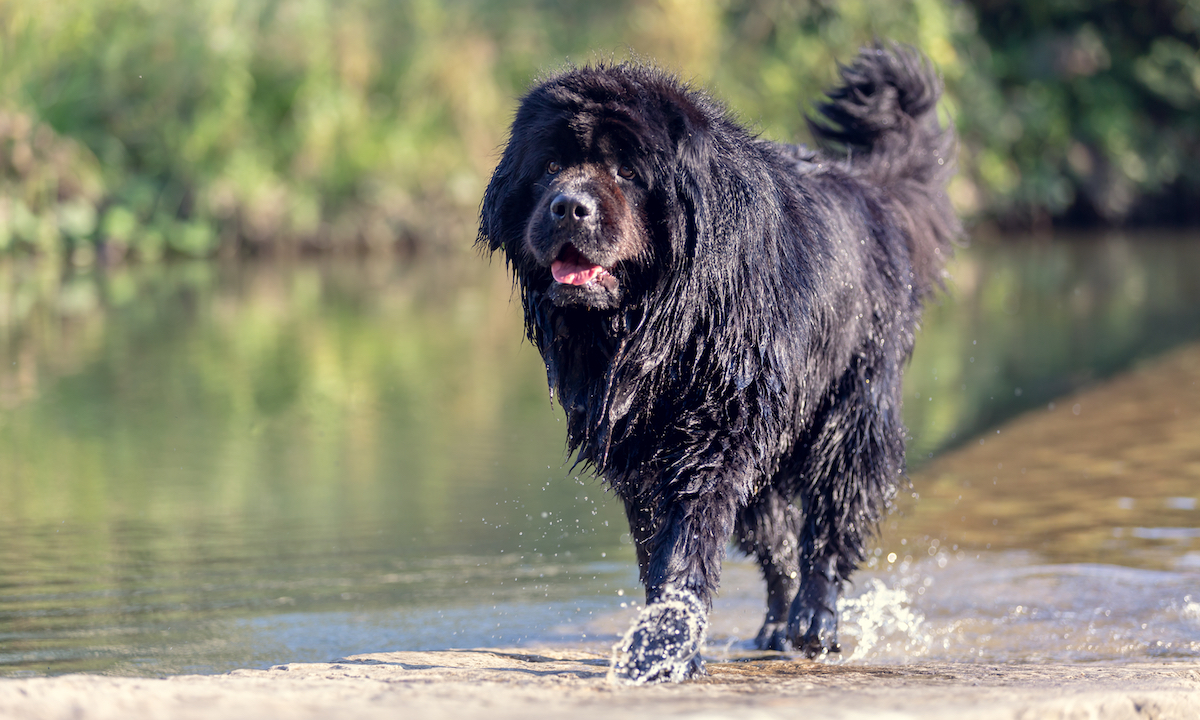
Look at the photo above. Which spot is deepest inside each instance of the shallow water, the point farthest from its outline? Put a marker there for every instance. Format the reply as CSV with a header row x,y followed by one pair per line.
x,y
1068,534
998,608
205,467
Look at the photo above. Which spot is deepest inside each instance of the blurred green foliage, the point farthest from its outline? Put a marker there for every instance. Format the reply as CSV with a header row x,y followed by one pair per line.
x,y
196,127
1084,112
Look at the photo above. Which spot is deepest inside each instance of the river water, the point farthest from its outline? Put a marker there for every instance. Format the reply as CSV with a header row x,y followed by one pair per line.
x,y
207,466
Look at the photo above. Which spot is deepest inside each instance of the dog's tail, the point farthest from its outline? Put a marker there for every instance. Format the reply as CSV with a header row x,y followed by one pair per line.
x,y
884,118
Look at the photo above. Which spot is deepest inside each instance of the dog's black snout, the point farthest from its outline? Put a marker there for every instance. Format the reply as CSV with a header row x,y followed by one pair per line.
x,y
572,207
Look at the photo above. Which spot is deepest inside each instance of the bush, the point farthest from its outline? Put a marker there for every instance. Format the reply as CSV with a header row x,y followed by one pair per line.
x,y
1084,113
201,126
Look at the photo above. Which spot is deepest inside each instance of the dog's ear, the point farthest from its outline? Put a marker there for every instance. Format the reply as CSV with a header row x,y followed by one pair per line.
x,y
725,207
691,134
700,179
495,202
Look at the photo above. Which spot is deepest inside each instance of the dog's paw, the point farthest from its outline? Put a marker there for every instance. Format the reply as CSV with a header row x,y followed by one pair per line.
x,y
773,636
663,645
813,627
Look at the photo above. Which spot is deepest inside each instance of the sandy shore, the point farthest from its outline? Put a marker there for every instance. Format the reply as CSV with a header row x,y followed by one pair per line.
x,y
554,684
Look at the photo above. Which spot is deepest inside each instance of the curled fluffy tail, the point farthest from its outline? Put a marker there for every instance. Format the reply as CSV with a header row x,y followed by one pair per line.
x,y
883,117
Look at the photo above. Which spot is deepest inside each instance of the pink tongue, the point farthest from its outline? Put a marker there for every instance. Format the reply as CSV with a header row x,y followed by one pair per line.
x,y
573,273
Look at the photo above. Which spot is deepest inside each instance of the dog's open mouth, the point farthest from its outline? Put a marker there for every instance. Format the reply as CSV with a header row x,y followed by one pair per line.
x,y
572,268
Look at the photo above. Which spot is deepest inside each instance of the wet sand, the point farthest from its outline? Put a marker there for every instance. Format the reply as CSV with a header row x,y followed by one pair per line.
x,y
553,683
515,684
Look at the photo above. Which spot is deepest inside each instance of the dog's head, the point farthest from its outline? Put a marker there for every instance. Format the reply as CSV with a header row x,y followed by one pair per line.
x,y
583,198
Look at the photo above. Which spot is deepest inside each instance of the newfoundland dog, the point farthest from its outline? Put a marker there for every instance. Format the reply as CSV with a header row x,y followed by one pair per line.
x,y
725,321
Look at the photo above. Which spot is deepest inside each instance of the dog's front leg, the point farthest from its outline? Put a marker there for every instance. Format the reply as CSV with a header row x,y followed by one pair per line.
x,y
680,548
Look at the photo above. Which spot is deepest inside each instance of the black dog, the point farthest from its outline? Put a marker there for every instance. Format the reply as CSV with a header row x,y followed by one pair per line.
x,y
725,321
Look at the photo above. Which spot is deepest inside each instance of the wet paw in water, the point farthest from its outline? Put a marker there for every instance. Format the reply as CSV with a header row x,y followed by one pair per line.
x,y
813,629
813,617
663,645
773,636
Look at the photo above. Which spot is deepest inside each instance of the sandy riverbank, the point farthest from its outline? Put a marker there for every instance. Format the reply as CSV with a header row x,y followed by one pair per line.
x,y
499,684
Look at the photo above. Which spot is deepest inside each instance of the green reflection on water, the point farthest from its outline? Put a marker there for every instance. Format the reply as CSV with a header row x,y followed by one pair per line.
x,y
336,394
188,445
1027,322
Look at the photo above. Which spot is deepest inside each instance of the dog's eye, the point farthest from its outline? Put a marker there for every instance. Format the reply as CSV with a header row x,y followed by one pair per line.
x,y
553,167
626,172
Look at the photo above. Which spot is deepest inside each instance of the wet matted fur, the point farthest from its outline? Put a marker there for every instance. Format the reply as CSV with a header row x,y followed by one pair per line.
x,y
725,321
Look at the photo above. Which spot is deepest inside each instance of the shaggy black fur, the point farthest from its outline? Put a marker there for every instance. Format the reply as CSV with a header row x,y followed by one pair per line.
x,y
725,321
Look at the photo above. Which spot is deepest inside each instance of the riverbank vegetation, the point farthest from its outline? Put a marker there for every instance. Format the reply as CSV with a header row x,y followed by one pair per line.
x,y
144,128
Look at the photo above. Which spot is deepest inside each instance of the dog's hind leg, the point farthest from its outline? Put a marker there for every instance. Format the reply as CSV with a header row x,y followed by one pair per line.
x,y
813,616
769,529
854,466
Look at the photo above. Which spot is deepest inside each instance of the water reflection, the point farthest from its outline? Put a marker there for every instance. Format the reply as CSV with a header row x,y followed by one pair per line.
x,y
1026,323
205,466
1104,484
187,445
1111,475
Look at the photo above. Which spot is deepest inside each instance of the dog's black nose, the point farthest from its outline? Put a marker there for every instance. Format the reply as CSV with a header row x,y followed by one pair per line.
x,y
572,207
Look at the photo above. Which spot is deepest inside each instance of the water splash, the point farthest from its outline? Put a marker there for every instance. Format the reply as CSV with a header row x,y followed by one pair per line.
x,y
881,621
664,642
